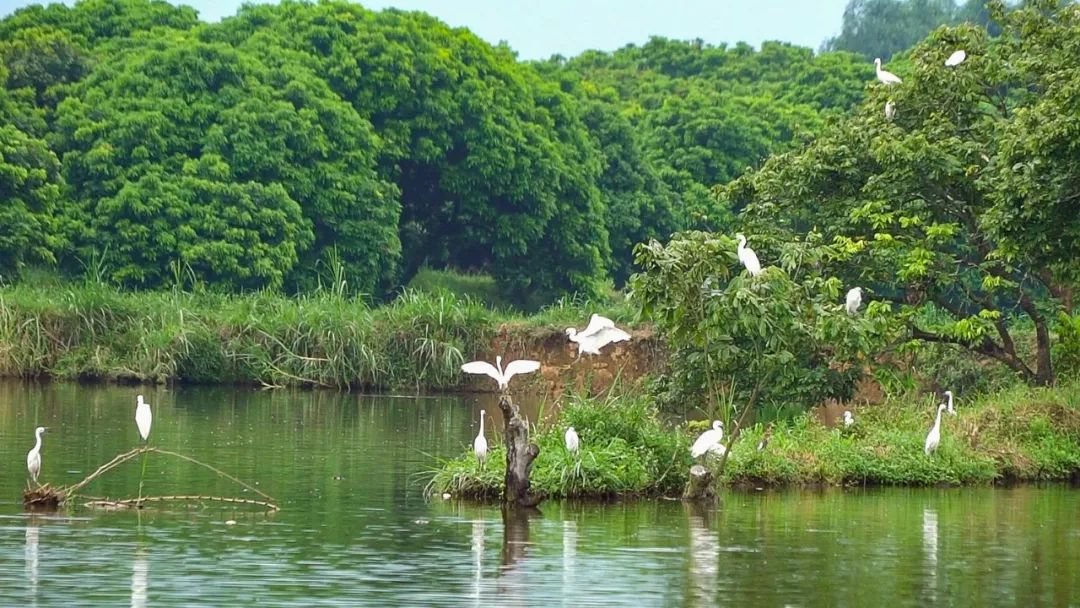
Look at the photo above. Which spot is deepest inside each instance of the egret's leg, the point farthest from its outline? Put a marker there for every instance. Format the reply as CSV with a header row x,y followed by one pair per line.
x,y
141,474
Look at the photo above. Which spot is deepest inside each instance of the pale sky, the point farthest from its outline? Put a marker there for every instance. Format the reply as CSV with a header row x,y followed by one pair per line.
x,y
537,29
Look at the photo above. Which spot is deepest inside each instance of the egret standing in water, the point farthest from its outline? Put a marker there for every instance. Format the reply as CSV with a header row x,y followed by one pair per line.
x,y
572,441
479,445
853,300
33,457
143,419
709,441
502,376
934,437
956,58
748,258
886,77
600,332
952,410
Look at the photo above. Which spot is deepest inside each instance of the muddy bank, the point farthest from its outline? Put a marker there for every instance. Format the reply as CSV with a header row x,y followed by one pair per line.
x,y
562,370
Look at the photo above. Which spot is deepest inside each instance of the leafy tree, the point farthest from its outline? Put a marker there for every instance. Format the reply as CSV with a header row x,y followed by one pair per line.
x,y
39,58
176,151
928,207
781,338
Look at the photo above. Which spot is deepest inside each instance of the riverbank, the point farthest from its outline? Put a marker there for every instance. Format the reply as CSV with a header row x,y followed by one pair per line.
x,y
418,341
1018,435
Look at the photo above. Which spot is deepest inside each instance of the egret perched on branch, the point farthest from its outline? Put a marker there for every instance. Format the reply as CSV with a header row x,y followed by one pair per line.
x,y
600,332
748,257
848,418
479,445
884,76
709,441
956,58
572,441
143,417
952,410
33,457
890,110
502,376
854,300
934,437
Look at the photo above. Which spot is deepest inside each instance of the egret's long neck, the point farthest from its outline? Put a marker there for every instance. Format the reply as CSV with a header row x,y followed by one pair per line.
x,y
950,401
498,364
37,444
937,420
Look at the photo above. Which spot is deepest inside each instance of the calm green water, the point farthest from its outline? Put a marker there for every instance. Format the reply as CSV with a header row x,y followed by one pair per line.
x,y
354,529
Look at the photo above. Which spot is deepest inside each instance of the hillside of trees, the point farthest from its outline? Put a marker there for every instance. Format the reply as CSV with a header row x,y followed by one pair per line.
x,y
297,140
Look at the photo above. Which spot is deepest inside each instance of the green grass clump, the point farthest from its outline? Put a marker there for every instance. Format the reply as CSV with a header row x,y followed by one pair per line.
x,y
1019,434
625,450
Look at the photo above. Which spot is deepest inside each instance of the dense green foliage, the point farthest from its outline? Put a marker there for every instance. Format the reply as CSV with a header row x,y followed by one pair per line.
x,y
298,140
945,211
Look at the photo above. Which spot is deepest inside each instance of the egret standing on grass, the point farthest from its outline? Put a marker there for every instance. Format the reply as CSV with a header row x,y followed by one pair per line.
x,y
848,419
748,258
890,110
600,332
709,441
934,437
33,457
884,76
479,445
572,441
956,58
143,419
854,300
952,410
502,376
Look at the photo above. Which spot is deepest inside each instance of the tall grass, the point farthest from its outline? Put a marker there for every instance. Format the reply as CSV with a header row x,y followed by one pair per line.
x,y
329,338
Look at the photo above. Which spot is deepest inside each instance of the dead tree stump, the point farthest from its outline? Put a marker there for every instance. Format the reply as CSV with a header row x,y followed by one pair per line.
x,y
520,455
700,484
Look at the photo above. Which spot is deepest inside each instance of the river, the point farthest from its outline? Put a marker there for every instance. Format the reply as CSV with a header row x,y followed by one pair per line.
x,y
354,529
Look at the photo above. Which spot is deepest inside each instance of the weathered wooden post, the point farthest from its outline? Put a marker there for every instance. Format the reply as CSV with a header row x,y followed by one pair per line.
x,y
520,455
699,486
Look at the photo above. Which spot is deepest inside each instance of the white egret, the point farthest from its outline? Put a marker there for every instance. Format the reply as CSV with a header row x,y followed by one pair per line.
x,y
950,408
848,418
956,58
709,441
600,332
572,441
890,110
33,457
884,76
502,376
748,258
853,300
934,437
143,417
479,445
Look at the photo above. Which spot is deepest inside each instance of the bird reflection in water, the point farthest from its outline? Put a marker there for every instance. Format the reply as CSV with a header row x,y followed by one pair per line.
x,y
31,556
930,546
140,578
569,557
478,557
704,555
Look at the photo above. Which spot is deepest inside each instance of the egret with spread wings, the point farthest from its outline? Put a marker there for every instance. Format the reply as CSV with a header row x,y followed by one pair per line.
x,y
600,332
500,375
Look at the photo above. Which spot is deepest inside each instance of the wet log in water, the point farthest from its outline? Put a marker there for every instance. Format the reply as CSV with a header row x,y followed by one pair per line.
x,y
700,484
520,455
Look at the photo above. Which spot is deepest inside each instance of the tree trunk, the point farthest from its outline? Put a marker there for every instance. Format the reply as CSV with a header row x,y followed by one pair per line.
x,y
700,484
520,455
